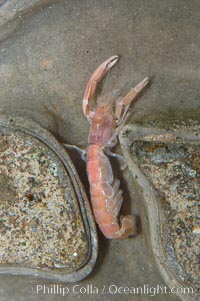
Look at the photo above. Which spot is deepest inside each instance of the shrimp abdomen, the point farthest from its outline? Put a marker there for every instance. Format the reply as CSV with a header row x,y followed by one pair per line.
x,y
99,169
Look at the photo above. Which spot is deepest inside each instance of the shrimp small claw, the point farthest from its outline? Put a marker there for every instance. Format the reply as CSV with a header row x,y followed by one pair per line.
x,y
128,99
106,196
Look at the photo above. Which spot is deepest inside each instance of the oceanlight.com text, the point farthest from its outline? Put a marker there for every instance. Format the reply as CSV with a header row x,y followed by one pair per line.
x,y
112,289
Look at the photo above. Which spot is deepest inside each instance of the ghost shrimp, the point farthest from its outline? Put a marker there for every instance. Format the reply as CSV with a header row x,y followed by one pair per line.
x,y
105,125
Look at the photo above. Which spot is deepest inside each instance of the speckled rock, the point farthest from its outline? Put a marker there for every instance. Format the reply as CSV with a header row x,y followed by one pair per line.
x,y
45,228
165,164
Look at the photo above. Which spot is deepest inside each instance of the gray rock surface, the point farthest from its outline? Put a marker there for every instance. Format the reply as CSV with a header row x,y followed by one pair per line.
x,y
12,13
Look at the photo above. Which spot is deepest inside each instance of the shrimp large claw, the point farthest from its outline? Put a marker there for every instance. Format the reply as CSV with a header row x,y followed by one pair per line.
x,y
96,77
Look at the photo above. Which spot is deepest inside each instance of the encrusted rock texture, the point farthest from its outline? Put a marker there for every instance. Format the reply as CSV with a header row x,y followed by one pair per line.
x,y
40,225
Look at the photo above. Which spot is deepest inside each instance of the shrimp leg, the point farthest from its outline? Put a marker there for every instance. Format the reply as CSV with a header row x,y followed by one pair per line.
x,y
80,150
119,157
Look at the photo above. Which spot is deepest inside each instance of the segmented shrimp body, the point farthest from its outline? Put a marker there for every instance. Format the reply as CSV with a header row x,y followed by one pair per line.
x,y
106,197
